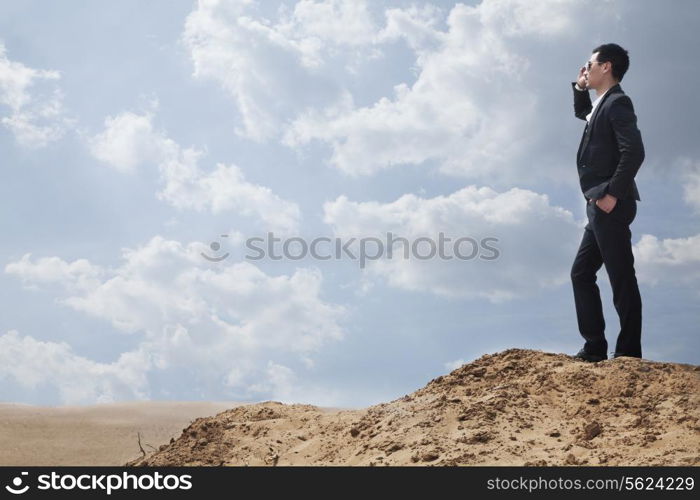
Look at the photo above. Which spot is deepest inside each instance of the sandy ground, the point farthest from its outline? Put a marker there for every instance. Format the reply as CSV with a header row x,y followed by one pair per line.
x,y
92,435
517,407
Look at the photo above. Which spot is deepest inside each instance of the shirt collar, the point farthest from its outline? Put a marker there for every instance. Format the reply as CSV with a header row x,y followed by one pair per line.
x,y
600,97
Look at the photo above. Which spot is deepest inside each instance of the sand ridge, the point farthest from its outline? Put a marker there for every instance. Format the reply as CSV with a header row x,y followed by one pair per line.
x,y
517,407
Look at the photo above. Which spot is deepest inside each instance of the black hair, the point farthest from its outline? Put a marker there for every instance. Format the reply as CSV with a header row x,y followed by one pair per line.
x,y
613,53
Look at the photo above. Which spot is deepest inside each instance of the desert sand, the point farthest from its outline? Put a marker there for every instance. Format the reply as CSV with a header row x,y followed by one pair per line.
x,y
517,407
92,435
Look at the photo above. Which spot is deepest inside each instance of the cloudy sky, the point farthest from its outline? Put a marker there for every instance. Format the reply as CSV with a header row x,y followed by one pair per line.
x,y
135,135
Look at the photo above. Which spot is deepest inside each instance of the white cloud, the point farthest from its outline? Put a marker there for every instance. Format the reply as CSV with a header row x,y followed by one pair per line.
x,y
467,109
514,18
416,25
314,24
283,384
79,274
670,261
33,363
469,105
36,115
280,381
272,71
691,182
536,241
222,323
130,140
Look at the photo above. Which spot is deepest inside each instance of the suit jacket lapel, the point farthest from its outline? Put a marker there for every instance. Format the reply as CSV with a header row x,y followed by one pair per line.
x,y
589,125
612,90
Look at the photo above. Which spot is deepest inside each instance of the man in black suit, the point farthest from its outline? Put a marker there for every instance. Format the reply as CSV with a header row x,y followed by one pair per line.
x,y
609,155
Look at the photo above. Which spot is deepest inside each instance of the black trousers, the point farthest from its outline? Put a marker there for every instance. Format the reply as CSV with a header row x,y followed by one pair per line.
x,y
607,240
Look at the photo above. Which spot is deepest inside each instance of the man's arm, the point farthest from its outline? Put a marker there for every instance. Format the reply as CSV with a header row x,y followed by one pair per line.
x,y
582,102
630,145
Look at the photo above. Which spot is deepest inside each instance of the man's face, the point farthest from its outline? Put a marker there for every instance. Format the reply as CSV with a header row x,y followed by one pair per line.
x,y
594,71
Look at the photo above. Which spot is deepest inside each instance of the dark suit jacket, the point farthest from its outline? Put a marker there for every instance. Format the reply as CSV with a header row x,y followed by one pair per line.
x,y
611,149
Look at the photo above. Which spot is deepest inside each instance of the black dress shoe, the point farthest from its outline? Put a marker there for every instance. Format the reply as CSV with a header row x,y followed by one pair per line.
x,y
593,358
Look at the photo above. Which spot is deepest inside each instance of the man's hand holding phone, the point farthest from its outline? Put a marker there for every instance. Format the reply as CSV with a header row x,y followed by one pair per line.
x,y
581,80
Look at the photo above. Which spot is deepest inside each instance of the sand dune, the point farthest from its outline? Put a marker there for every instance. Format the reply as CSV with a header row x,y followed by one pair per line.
x,y
518,407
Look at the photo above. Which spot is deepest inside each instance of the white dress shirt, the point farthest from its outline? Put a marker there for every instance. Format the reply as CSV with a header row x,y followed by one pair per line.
x,y
595,103
588,116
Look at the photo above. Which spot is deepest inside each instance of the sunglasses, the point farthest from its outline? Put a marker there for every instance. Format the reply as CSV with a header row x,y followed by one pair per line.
x,y
589,64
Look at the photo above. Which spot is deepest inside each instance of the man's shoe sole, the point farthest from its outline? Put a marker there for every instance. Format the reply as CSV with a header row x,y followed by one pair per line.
x,y
591,358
